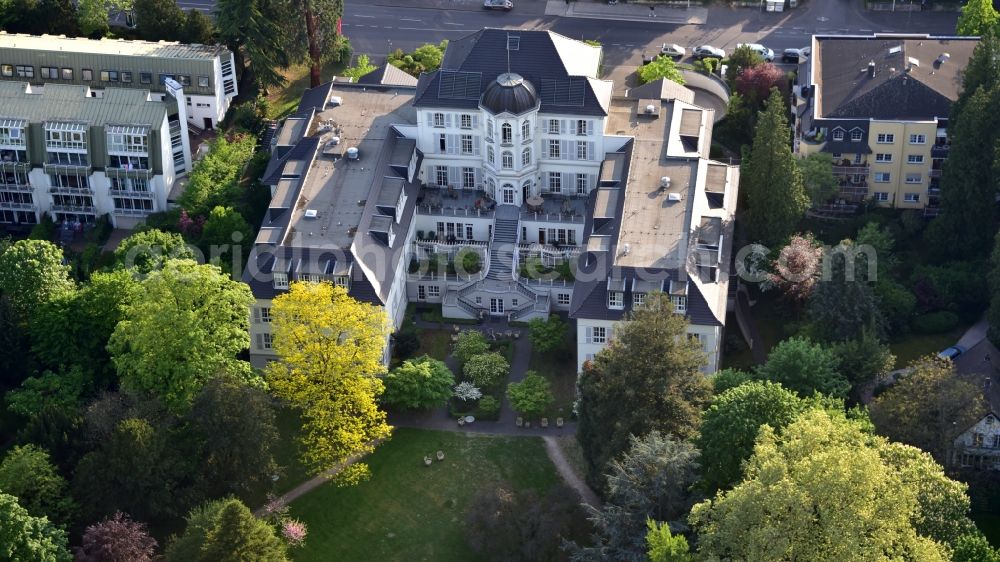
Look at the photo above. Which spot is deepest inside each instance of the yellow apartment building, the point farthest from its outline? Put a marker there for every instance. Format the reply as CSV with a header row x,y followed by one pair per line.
x,y
879,106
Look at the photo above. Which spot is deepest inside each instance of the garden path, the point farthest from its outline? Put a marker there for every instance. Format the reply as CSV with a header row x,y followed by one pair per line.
x,y
567,473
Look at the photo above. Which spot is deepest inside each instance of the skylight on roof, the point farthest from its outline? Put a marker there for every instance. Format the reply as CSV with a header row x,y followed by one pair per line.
x,y
513,43
896,49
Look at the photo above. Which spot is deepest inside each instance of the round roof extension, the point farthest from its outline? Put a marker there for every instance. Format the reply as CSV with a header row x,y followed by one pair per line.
x,y
509,93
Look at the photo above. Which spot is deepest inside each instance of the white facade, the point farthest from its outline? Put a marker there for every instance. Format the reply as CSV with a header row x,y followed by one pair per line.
x,y
593,335
979,446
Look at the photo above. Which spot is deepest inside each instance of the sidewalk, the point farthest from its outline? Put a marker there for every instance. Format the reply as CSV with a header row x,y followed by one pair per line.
x,y
626,12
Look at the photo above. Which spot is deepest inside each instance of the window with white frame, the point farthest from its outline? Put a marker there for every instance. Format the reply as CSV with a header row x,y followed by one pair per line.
x,y
883,157
525,130
885,138
638,299
466,144
581,126
421,292
881,196
342,281
883,177
466,121
918,139
555,182
857,158
562,299
680,303
443,142
856,135
128,139
581,151
12,132
507,160
838,134
526,157
506,133
280,281
310,278
66,135
489,129
554,151
914,178
490,155
616,300
433,291
441,175
836,156
265,314
598,334
581,183
911,197
915,159
439,119
553,126
468,178
266,340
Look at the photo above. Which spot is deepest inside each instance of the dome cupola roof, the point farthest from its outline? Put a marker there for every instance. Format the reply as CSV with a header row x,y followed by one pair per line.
x,y
509,93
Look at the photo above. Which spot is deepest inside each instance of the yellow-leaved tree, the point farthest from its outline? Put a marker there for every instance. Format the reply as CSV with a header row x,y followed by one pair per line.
x,y
330,349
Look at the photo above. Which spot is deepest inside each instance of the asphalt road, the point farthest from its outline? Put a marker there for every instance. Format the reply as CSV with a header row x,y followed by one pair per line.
x,y
377,27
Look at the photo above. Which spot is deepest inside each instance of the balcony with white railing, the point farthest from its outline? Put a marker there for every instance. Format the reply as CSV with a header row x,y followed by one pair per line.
x,y
451,202
556,208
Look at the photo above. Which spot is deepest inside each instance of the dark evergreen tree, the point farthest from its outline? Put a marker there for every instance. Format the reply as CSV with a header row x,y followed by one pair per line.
x,y
157,20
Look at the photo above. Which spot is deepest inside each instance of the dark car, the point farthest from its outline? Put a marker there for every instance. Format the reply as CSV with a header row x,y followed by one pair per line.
x,y
952,352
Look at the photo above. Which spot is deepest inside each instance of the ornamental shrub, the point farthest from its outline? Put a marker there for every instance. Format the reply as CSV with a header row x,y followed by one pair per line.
x,y
532,396
486,370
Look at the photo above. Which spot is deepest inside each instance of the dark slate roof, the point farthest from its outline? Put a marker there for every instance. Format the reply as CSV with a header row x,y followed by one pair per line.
x,y
912,77
509,93
312,259
315,98
846,146
472,63
303,150
388,75
590,298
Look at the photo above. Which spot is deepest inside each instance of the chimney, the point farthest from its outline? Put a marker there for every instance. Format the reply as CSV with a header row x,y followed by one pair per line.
x,y
871,69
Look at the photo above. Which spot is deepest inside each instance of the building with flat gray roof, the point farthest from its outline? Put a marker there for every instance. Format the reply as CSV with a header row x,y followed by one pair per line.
x,y
77,154
205,72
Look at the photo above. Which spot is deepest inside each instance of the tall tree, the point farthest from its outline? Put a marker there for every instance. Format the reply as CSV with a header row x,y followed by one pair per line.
x,y
730,426
661,67
805,367
94,312
741,59
189,326
250,29
653,366
147,250
27,473
819,491
25,537
652,480
863,361
330,348
226,239
843,302
225,531
775,195
312,32
929,407
993,313
979,17
32,273
116,539
158,20
797,269
197,28
61,17
755,83
235,424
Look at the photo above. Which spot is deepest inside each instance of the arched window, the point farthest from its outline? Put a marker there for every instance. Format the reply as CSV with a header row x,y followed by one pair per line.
x,y
506,133
508,194
525,130
490,157
507,160
526,157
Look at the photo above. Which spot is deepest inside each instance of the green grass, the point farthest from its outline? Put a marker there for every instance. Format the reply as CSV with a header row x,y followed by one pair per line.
x,y
407,511
559,367
916,346
435,343
286,454
285,100
989,524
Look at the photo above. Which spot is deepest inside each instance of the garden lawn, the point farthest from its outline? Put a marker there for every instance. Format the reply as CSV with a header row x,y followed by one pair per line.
x,y
285,100
408,511
915,346
435,343
559,367
286,454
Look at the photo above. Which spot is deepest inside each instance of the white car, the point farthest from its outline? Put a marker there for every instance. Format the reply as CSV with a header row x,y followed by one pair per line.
x,y
505,5
708,51
673,50
764,52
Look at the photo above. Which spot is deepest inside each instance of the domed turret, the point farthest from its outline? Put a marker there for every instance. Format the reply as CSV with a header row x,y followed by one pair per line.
x,y
510,93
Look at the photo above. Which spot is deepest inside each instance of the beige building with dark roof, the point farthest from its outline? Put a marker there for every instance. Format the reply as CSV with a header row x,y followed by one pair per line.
x,y
879,105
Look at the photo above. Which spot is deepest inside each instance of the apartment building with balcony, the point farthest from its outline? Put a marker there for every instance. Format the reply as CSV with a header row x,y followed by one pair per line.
x,y
512,157
205,72
77,156
879,106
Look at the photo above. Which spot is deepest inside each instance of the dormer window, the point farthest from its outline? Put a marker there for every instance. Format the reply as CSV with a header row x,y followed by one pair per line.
x,y
856,135
680,304
616,300
838,134
638,300
342,281
280,281
990,419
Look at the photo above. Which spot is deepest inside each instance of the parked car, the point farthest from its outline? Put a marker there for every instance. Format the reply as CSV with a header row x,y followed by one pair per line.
x,y
952,352
764,52
708,51
505,5
794,55
673,50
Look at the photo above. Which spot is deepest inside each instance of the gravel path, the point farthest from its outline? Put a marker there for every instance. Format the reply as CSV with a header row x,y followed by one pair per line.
x,y
567,473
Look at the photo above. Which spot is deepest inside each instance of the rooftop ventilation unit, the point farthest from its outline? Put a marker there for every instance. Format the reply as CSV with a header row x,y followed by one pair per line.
x,y
626,249
311,213
673,197
664,182
336,101
650,109
352,153
871,69
913,61
943,58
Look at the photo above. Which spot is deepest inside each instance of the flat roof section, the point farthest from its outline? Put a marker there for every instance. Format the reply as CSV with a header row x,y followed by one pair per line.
x,y
64,102
611,169
105,46
338,188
